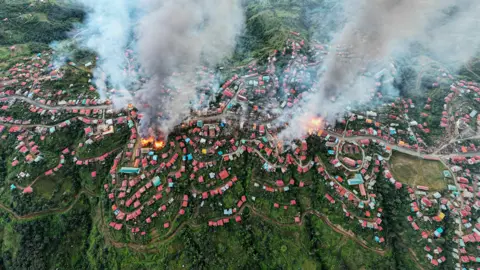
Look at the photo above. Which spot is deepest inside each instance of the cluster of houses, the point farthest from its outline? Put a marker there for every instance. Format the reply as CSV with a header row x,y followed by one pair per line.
x,y
193,173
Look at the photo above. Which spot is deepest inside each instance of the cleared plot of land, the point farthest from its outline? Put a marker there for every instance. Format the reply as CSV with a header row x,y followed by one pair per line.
x,y
415,171
52,187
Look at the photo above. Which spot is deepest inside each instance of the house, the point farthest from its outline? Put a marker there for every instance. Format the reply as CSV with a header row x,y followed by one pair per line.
x,y
27,190
356,180
350,162
156,181
362,190
223,174
129,170
424,188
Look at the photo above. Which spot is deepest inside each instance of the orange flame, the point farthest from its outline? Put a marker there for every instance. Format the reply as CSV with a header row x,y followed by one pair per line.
x,y
159,144
314,125
147,141
317,122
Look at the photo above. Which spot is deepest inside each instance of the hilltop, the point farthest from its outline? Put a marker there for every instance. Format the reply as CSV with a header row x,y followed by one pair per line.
x,y
389,185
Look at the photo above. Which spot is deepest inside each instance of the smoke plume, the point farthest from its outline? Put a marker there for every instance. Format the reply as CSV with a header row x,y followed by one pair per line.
x,y
175,37
108,31
378,30
168,39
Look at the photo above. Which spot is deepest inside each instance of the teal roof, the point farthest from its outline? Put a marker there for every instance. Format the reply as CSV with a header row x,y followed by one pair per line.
x,y
12,187
130,170
357,180
156,181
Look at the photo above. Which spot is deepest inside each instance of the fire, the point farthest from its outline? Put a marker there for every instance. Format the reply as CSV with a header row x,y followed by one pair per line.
x,y
314,125
147,141
316,122
158,144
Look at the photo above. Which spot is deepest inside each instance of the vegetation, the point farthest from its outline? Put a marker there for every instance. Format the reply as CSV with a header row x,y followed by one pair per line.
x,y
35,23
418,172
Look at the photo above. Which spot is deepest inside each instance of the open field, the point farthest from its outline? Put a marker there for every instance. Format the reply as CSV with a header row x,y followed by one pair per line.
x,y
415,171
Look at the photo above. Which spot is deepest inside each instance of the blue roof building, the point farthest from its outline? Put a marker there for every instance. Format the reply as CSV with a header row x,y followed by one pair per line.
x,y
129,170
156,181
356,180
438,232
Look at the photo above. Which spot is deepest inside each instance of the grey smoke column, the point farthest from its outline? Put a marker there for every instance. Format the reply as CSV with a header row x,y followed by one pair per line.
x,y
107,30
176,37
371,35
377,30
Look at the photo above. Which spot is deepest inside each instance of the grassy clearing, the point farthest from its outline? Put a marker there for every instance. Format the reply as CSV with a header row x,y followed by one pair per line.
x,y
415,171
20,50
53,187
45,186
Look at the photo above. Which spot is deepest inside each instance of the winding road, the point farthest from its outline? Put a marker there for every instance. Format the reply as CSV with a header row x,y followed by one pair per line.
x,y
49,211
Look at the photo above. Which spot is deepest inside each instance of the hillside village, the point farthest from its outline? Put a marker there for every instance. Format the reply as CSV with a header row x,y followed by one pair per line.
x,y
226,156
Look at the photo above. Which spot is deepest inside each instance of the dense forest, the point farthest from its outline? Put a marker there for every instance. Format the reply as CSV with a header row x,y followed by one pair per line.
x,y
36,23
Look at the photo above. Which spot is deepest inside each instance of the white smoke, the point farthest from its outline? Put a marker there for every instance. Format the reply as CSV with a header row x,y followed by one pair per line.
x,y
377,30
168,37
